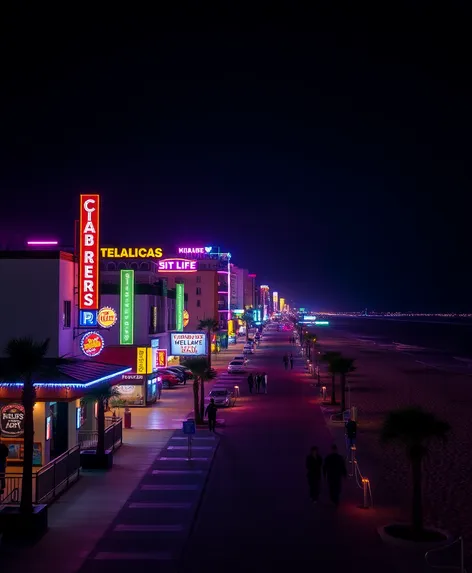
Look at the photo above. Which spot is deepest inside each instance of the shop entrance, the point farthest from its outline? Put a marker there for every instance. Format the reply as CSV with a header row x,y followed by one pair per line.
x,y
59,413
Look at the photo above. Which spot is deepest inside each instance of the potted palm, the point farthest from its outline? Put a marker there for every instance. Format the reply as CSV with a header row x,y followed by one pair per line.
x,y
201,373
414,429
25,360
210,325
99,458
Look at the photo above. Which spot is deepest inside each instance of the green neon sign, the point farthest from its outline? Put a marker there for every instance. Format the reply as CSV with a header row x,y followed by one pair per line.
x,y
126,306
179,307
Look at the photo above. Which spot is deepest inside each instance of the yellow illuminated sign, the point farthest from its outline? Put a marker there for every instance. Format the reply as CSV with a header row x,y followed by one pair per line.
x,y
141,355
282,304
131,253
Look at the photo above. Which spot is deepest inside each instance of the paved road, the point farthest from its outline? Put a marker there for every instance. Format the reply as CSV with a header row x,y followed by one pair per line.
x,y
256,514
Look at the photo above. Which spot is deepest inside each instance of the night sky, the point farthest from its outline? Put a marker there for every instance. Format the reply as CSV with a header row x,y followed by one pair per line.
x,y
329,151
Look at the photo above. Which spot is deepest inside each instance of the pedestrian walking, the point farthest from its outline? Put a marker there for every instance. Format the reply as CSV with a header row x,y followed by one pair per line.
x,y
291,361
334,469
265,383
3,465
211,413
258,382
285,360
250,382
314,465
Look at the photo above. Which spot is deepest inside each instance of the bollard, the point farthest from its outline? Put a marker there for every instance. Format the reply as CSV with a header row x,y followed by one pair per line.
x,y
323,393
127,418
236,391
365,487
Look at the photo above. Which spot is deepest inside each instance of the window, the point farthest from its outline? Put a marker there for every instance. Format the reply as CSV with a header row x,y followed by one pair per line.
x,y
199,279
67,313
199,290
199,302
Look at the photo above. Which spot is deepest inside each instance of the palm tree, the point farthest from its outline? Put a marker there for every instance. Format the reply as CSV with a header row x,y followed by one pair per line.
x,y
201,372
248,319
343,366
25,358
330,358
415,429
210,325
100,395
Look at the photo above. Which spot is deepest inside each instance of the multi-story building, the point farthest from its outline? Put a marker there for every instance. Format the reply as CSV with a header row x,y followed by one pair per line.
x,y
38,299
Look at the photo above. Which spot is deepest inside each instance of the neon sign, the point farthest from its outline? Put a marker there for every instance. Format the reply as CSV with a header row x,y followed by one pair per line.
x,y
107,317
89,252
131,253
92,344
179,307
193,250
126,306
178,265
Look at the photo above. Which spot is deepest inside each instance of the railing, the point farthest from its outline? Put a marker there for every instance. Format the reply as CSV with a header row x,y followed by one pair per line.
x,y
113,436
441,551
48,483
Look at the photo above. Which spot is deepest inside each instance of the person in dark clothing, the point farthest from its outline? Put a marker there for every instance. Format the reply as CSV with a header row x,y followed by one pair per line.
x,y
314,465
285,359
334,469
250,382
3,465
291,361
263,383
258,383
211,413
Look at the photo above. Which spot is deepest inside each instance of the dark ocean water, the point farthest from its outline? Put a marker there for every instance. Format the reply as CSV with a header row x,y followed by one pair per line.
x,y
446,337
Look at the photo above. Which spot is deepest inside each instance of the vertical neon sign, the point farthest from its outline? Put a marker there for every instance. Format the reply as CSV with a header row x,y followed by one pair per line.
x,y
89,241
126,306
179,307
282,304
275,300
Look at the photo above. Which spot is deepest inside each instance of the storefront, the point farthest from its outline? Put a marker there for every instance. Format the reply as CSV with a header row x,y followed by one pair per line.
x,y
57,415
139,390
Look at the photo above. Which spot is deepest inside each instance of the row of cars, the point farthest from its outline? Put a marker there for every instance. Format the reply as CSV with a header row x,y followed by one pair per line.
x,y
238,364
174,375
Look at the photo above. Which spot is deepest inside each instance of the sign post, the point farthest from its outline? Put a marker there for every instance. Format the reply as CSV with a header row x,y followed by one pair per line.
x,y
189,429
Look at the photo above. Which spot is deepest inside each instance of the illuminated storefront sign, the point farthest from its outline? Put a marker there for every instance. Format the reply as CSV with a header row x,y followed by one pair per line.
x,y
12,420
194,250
161,358
126,306
275,300
89,242
186,318
177,265
92,344
141,360
88,318
107,317
179,307
131,253
188,344
282,304
238,311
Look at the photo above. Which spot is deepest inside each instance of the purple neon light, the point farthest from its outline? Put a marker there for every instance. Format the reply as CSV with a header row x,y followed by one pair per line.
x,y
42,243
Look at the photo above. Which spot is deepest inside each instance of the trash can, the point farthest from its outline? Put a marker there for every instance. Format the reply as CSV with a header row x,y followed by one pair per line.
x,y
127,418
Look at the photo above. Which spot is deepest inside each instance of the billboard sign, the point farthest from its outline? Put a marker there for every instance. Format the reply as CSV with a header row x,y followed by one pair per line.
x,y
179,307
188,344
89,245
126,306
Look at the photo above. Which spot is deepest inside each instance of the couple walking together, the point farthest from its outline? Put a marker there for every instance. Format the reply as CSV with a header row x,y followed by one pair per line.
x,y
333,469
259,381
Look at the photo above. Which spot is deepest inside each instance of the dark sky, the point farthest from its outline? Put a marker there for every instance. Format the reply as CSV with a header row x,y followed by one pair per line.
x,y
328,150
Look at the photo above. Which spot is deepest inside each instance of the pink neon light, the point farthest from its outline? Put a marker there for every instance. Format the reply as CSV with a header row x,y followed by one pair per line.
x,y
222,272
34,243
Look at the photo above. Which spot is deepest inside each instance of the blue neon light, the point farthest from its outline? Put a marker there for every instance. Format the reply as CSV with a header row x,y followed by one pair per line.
x,y
67,384
88,318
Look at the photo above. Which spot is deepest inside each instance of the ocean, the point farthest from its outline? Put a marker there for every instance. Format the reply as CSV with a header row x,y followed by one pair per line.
x,y
445,343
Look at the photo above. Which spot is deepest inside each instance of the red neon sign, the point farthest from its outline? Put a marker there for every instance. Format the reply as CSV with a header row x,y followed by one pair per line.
x,y
89,241
161,358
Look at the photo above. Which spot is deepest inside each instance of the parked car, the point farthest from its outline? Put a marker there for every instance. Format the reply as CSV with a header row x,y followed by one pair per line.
x,y
236,366
248,349
181,373
169,380
242,358
223,398
169,370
